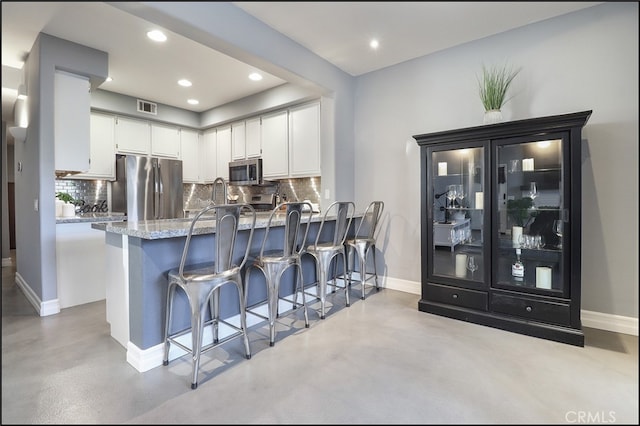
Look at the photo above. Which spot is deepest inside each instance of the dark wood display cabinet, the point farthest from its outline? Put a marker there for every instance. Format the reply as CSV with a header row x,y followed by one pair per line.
x,y
501,225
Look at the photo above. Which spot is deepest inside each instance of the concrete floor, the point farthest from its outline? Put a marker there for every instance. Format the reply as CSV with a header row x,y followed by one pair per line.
x,y
378,361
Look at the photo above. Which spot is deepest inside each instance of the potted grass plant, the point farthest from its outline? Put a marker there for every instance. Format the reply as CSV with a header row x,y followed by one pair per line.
x,y
494,84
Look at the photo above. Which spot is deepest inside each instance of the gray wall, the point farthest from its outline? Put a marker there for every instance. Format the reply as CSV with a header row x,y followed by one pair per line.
x,y
587,60
35,184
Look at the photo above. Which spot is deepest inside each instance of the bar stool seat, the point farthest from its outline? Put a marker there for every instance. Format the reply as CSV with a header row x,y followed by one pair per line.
x,y
201,282
274,262
362,244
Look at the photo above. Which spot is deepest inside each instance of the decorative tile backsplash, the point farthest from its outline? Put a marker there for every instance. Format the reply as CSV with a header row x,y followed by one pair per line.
x,y
198,195
92,195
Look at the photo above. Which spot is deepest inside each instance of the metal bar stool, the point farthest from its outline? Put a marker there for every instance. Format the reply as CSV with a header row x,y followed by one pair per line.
x,y
326,252
202,282
363,243
274,262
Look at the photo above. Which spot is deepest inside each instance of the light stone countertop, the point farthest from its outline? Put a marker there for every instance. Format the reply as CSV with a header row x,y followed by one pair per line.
x,y
171,228
90,217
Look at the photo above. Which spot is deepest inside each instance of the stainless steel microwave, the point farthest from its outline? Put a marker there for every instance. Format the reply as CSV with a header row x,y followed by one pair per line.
x,y
245,172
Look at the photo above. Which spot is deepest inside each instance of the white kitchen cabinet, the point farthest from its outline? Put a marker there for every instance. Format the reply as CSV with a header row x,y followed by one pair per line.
x,y
223,151
80,264
72,108
304,140
253,138
133,136
102,148
165,141
275,145
208,156
238,150
191,162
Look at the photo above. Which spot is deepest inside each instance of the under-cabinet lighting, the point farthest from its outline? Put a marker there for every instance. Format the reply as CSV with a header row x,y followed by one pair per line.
x,y
374,44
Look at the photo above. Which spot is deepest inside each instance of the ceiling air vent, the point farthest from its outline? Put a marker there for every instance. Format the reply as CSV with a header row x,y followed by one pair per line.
x,y
147,107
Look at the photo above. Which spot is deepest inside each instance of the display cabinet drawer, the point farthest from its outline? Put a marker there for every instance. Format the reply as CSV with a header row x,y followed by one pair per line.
x,y
457,296
536,310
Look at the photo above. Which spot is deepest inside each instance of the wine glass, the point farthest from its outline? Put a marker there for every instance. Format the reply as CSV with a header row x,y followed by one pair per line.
x,y
460,194
558,226
533,192
452,194
472,265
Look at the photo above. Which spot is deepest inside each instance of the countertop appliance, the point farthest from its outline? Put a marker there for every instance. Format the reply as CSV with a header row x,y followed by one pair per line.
x,y
263,202
147,188
245,172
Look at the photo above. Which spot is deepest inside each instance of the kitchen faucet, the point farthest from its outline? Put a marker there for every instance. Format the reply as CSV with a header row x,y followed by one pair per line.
x,y
214,192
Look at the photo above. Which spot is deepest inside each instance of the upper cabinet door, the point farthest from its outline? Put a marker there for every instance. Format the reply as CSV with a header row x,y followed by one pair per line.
x,y
132,136
165,141
72,108
253,137
208,165
223,151
102,148
304,140
190,148
238,150
275,145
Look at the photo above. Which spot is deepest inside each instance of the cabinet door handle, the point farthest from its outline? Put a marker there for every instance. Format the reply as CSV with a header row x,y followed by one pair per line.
x,y
528,309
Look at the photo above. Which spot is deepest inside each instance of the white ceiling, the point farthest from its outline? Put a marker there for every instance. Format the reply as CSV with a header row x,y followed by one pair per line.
x,y
337,31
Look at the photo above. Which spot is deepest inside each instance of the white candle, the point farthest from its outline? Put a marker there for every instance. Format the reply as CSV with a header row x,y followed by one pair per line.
x,y
543,277
479,200
527,164
516,231
461,265
442,169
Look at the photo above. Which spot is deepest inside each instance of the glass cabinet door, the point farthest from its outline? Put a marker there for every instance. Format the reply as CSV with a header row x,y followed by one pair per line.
x,y
457,215
530,215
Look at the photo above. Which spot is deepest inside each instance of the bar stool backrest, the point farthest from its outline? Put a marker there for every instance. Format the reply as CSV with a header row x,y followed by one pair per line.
x,y
227,219
292,244
343,211
369,223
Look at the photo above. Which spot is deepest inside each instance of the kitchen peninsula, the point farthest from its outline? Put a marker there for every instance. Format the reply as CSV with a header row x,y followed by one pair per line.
x,y
138,256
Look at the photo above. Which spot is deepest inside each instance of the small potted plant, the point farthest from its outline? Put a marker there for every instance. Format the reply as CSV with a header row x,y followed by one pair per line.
x,y
521,211
65,205
494,84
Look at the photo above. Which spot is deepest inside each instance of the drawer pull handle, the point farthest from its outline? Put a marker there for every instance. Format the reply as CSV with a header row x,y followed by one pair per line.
x,y
528,309
455,296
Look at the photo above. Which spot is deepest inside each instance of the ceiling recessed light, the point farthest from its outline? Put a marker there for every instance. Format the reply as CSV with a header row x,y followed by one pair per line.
x,y
193,101
255,76
184,83
157,35
374,44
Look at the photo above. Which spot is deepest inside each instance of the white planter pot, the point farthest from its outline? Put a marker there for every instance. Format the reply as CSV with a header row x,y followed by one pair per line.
x,y
492,116
68,210
59,204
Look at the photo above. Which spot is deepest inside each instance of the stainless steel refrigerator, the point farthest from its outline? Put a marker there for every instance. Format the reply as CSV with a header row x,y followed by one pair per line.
x,y
147,188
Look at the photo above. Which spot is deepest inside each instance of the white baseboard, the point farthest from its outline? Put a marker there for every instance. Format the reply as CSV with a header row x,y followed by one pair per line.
x,y
609,322
50,307
598,320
